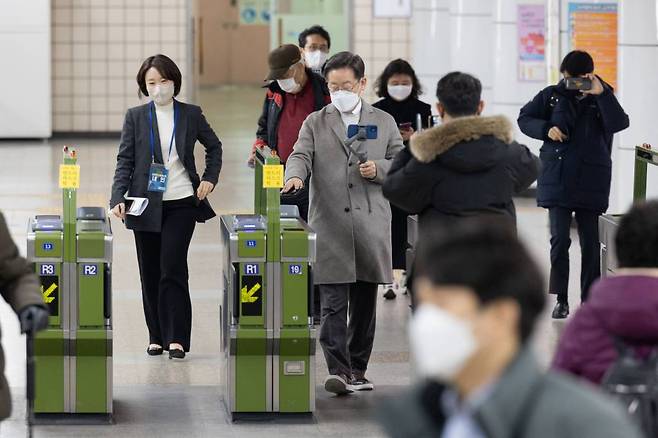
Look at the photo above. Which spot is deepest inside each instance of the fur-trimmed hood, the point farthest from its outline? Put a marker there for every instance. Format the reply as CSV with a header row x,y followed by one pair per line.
x,y
428,145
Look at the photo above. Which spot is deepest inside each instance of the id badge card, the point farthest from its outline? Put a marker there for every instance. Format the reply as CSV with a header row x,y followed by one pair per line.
x,y
158,175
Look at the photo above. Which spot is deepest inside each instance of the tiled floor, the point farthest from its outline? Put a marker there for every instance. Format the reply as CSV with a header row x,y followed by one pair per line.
x,y
152,395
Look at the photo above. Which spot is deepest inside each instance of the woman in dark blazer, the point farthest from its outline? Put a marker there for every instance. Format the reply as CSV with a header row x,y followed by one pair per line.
x,y
399,87
156,161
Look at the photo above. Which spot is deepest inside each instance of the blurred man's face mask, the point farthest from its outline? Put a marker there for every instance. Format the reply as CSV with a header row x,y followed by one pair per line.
x,y
440,342
452,330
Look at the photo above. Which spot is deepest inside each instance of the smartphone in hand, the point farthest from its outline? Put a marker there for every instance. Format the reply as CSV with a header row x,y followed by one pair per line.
x,y
405,126
578,83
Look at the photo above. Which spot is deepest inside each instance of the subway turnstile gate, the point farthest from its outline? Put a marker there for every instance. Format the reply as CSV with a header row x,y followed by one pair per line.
x,y
267,334
608,223
72,255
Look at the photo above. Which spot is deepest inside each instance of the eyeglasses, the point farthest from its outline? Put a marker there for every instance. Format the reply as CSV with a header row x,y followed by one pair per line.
x,y
347,86
314,47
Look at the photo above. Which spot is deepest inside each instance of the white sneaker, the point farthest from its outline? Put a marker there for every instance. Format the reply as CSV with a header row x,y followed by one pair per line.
x,y
337,385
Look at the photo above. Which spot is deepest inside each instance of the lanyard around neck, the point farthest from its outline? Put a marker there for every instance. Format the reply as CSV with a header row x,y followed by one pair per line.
x,y
152,134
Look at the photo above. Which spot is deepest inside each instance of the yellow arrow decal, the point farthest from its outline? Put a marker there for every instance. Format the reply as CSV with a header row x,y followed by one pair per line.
x,y
248,297
46,295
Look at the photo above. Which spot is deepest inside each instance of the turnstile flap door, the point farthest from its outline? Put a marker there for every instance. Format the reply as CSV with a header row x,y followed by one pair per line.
x,y
47,222
248,222
91,213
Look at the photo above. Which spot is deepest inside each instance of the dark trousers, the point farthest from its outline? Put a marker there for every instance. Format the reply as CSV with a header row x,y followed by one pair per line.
x,y
399,237
162,261
348,326
588,233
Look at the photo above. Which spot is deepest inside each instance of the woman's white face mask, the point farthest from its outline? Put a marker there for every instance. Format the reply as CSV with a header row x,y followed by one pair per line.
x,y
161,93
441,343
399,92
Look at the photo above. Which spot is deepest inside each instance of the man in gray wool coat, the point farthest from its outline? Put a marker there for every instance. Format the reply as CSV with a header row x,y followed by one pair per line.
x,y
351,217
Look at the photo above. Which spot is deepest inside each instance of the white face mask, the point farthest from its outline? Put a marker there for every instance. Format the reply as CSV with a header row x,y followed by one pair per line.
x,y
315,59
289,85
161,93
440,343
345,101
399,92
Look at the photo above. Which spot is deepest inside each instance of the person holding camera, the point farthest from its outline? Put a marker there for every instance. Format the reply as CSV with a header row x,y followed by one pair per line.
x,y
399,87
576,119
350,216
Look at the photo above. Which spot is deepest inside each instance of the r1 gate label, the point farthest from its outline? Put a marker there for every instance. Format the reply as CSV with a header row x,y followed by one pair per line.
x,y
251,269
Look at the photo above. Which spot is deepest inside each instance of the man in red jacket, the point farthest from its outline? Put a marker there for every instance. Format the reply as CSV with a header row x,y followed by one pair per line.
x,y
293,93
623,306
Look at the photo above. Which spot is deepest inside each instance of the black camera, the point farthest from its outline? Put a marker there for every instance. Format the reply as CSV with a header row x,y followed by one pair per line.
x,y
577,83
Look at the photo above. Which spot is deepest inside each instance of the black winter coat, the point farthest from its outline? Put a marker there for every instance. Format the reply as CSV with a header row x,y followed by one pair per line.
x,y
406,111
467,167
402,112
577,173
268,123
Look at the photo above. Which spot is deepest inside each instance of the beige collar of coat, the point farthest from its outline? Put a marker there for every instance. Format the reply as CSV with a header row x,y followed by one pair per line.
x,y
429,144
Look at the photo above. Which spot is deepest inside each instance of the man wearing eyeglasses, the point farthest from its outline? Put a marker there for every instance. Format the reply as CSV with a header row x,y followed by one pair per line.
x,y
315,43
293,93
350,216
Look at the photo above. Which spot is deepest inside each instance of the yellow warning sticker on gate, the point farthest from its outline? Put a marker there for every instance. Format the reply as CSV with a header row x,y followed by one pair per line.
x,y
69,176
47,294
272,176
248,296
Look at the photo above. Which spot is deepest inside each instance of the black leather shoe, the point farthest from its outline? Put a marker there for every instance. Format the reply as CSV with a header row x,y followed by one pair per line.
x,y
561,311
176,353
154,351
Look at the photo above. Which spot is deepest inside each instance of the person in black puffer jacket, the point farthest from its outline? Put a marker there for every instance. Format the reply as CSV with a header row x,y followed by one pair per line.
x,y
467,166
577,129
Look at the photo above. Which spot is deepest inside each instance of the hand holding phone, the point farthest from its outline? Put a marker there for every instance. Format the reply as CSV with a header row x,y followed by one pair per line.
x,y
578,83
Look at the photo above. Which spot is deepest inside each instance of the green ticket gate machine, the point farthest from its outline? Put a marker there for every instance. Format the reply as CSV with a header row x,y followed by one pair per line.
x,y
608,223
266,311
72,255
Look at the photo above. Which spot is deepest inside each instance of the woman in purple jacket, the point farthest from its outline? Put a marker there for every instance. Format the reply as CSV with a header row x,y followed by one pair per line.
x,y
622,306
